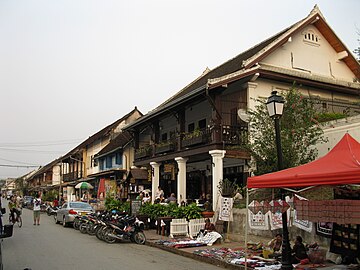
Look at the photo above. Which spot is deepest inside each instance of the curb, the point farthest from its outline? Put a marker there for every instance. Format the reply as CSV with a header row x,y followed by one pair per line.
x,y
196,257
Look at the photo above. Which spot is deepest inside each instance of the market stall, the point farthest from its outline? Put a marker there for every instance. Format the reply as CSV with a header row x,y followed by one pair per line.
x,y
341,166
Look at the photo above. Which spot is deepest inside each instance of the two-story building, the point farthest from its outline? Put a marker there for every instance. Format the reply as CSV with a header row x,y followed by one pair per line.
x,y
194,139
80,164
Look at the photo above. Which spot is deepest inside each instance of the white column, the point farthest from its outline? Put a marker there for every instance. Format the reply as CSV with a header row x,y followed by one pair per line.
x,y
155,179
181,179
217,174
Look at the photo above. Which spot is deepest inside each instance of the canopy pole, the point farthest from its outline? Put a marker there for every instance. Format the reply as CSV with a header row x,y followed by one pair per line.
x,y
246,226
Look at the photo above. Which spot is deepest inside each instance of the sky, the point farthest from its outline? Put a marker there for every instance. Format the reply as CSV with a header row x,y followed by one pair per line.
x,y
68,68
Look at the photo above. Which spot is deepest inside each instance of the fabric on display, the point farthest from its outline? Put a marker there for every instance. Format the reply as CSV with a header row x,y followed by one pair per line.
x,y
226,205
258,221
209,238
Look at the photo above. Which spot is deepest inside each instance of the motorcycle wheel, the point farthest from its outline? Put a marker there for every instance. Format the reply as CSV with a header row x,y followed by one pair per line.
x,y
91,229
99,232
83,228
109,239
139,238
76,224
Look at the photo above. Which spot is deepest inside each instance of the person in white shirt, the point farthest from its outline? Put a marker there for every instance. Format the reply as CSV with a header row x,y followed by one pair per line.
x,y
159,193
36,209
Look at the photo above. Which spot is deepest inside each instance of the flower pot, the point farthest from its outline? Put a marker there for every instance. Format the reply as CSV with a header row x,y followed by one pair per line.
x,y
207,214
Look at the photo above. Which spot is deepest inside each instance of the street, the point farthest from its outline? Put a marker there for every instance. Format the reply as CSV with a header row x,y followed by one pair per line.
x,y
50,246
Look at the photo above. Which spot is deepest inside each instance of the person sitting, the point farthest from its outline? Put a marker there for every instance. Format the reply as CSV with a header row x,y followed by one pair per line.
x,y
171,199
147,198
276,243
298,251
209,227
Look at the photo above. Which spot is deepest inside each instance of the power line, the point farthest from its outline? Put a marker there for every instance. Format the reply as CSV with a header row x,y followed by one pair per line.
x,y
39,143
29,150
26,163
18,166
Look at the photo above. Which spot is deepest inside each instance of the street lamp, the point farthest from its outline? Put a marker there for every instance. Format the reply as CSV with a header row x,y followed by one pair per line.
x,y
275,106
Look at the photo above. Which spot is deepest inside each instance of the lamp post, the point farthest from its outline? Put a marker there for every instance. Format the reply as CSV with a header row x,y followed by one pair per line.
x,y
275,106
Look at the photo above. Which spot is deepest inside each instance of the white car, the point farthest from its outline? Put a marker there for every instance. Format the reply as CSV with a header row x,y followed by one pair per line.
x,y
68,211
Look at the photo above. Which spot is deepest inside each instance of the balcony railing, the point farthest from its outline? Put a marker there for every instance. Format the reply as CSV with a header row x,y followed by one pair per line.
x,y
164,147
67,177
234,135
143,152
195,138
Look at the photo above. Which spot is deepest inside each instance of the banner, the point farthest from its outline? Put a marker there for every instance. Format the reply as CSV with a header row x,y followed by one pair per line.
x,y
226,205
259,221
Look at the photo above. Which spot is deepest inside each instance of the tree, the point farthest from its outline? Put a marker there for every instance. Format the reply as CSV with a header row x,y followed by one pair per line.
x,y
357,50
300,132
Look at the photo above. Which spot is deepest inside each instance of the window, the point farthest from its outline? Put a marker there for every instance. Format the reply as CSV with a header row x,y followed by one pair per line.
x,y
108,162
311,38
202,124
118,158
101,163
164,137
191,127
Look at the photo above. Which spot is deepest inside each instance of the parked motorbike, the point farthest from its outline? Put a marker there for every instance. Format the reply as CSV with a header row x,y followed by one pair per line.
x,y
128,228
51,210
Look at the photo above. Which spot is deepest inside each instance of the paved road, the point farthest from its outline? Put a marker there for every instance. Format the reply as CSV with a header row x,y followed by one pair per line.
x,y
52,247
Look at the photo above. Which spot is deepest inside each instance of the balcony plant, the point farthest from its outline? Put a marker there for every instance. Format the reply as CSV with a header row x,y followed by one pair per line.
x,y
163,147
192,138
143,151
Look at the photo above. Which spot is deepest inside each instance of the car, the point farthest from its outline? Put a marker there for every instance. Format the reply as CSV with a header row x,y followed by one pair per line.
x,y
27,201
69,210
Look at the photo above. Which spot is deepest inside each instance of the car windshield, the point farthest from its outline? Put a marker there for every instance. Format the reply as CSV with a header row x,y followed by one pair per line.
x,y
28,198
80,205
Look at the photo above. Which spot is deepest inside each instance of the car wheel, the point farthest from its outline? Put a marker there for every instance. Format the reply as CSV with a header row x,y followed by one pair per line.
x,y
64,222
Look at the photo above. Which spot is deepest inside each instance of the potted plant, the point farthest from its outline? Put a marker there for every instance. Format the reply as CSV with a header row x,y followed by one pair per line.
x,y
192,138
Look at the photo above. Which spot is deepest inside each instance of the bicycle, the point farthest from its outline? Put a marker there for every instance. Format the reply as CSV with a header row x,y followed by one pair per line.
x,y
17,218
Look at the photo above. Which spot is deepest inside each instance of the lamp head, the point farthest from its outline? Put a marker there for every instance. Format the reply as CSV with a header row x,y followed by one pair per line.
x,y
275,105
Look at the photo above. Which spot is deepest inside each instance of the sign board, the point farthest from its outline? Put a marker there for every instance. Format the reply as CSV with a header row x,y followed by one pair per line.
x,y
135,207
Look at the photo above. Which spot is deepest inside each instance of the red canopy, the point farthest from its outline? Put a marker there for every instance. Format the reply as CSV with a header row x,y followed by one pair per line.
x,y
339,167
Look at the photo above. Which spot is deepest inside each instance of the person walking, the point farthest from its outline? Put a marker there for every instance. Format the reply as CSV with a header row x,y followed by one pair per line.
x,y
36,209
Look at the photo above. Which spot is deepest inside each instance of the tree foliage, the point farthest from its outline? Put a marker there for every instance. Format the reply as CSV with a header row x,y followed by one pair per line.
x,y
357,50
300,131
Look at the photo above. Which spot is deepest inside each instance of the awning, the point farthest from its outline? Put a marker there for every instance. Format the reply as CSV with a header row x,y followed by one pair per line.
x,y
340,166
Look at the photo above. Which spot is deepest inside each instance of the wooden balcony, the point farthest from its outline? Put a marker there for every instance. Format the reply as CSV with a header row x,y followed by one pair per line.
x,y
197,137
143,152
234,135
72,176
164,147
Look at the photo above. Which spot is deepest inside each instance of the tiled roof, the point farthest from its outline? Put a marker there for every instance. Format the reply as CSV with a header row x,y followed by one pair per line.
x,y
101,133
230,66
120,141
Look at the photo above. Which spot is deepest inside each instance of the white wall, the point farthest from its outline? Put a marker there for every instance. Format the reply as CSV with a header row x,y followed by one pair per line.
x,y
198,112
316,57
56,176
335,130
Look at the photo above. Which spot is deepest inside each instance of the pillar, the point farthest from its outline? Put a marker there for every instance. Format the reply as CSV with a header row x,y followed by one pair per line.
x,y
217,174
155,179
181,179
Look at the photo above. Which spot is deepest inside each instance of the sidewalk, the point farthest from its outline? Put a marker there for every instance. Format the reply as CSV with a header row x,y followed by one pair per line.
x,y
152,237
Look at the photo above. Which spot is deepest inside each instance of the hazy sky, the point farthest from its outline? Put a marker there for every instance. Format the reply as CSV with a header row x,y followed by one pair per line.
x,y
70,68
